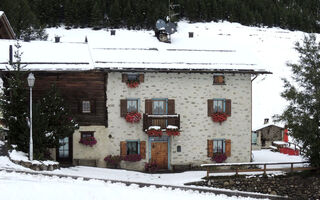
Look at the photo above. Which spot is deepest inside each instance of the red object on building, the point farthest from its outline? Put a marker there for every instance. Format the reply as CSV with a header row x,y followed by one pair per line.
x,y
285,135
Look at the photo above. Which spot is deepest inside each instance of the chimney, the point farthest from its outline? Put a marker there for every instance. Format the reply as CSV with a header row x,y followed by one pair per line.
x,y
266,120
57,39
190,34
113,32
10,54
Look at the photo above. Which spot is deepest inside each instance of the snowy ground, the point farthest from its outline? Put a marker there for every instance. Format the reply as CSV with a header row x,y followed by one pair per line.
x,y
94,189
36,187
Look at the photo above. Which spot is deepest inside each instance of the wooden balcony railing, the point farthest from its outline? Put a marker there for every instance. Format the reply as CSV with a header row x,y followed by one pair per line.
x,y
160,120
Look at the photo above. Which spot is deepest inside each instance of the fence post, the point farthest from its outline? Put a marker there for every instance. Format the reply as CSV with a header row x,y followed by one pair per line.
x,y
291,170
237,169
265,169
208,173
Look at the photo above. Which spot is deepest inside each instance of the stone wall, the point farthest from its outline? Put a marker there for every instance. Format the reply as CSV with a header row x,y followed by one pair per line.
x,y
270,134
190,92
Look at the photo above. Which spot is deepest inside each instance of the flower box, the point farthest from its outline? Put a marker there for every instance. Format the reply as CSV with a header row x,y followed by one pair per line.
x,y
219,117
154,131
219,157
172,130
151,167
133,117
89,141
133,83
132,158
113,161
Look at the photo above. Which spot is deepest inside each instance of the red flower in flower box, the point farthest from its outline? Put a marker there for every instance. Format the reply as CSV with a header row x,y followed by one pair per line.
x,y
133,83
219,117
133,117
219,157
89,141
173,132
154,132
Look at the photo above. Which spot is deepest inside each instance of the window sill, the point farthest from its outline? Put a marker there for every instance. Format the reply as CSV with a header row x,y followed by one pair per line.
x,y
218,84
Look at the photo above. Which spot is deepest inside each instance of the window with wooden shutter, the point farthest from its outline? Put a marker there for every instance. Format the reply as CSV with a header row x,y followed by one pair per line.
x,y
228,148
219,105
123,148
218,79
143,149
123,107
132,77
210,148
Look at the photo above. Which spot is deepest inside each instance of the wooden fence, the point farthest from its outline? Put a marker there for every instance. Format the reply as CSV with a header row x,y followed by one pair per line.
x,y
252,167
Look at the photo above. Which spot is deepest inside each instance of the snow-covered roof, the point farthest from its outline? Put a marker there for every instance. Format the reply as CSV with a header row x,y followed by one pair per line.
x,y
129,49
267,125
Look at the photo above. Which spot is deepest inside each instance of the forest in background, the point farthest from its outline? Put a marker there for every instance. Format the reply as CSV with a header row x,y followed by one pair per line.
x,y
29,17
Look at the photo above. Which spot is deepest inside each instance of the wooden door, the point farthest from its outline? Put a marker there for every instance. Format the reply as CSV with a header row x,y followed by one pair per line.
x,y
159,154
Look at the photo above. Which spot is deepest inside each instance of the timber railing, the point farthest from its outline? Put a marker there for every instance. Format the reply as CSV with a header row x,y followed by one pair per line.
x,y
245,167
160,120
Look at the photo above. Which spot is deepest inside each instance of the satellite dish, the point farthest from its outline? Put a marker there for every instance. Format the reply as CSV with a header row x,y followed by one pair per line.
x,y
171,28
160,24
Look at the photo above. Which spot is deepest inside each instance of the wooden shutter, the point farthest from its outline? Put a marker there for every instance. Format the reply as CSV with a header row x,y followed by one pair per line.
x,y
143,149
210,107
124,78
228,107
148,106
228,148
210,148
123,148
123,107
171,107
141,78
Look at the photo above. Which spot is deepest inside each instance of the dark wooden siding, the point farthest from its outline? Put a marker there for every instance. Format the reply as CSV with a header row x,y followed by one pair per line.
x,y
75,87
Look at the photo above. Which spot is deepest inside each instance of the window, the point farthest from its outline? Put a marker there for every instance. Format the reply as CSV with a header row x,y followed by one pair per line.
x,y
133,147
86,134
219,146
159,107
133,77
254,138
219,105
86,107
128,105
132,105
218,79
64,148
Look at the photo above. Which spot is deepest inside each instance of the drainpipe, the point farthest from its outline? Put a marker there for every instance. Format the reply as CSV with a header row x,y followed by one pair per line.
x,y
256,75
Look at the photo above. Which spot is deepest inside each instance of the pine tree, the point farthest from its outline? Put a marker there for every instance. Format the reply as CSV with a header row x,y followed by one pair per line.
x,y
52,121
14,103
302,116
96,18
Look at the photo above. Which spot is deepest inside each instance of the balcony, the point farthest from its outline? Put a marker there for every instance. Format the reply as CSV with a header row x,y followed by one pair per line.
x,y
160,120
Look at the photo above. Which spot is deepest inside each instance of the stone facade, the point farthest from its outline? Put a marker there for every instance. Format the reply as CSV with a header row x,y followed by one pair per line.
x,y
190,92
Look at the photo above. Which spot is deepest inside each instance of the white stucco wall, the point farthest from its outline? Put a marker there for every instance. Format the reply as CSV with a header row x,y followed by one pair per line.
x,y
191,92
98,151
